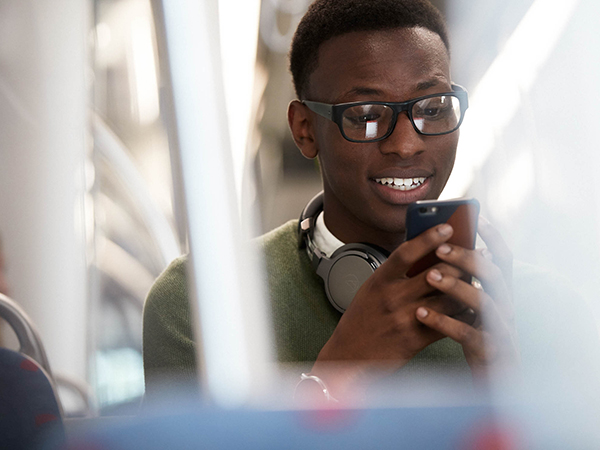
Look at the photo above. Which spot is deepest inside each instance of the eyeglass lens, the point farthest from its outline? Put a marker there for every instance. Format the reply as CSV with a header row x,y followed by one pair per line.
x,y
433,115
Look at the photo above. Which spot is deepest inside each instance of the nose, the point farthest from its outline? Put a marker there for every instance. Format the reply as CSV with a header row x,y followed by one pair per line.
x,y
404,140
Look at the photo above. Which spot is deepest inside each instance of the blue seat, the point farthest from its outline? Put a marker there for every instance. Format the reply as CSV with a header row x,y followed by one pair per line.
x,y
29,406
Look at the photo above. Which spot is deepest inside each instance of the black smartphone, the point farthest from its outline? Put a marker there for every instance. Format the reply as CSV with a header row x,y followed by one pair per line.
x,y
461,214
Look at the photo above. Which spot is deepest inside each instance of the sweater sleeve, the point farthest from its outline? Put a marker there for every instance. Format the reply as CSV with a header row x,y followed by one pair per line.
x,y
168,345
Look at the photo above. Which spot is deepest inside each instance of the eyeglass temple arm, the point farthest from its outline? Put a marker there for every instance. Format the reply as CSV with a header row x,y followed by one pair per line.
x,y
465,96
322,109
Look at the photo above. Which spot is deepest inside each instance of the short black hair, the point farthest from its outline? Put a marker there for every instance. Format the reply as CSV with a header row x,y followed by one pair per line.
x,y
326,19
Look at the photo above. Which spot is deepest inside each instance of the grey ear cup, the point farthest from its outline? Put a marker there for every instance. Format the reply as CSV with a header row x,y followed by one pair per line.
x,y
346,271
349,266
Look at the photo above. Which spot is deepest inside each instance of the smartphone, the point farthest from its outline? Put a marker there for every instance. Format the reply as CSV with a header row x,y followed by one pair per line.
x,y
461,214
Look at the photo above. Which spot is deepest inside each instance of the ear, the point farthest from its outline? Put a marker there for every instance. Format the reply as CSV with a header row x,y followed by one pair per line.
x,y
301,123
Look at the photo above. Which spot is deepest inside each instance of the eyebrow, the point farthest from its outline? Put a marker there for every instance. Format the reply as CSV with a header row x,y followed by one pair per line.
x,y
367,91
361,91
424,85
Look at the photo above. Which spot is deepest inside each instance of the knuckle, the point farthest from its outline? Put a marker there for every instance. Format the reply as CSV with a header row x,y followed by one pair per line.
x,y
447,269
404,260
389,304
400,257
437,320
432,237
399,322
457,252
450,282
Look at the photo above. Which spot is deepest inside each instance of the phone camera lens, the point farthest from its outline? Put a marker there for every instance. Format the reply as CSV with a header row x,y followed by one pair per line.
x,y
423,210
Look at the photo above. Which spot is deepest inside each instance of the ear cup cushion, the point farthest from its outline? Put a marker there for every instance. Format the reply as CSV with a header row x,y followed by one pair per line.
x,y
350,267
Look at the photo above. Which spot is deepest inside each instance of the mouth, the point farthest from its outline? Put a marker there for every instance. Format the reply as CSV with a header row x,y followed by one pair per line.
x,y
401,184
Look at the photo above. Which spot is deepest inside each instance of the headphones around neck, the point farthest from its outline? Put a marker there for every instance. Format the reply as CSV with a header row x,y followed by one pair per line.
x,y
347,268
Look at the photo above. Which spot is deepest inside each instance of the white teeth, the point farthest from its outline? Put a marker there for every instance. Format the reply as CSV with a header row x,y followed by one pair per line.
x,y
402,184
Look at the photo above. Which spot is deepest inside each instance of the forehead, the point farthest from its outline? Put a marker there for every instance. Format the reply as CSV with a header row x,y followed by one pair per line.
x,y
397,64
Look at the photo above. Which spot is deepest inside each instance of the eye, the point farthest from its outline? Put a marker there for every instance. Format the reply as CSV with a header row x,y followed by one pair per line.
x,y
359,116
434,108
363,118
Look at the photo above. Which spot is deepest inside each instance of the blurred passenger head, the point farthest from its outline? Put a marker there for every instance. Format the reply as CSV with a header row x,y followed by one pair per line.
x,y
326,19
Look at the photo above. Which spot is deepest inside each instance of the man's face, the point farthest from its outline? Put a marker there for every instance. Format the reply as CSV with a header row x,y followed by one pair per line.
x,y
394,65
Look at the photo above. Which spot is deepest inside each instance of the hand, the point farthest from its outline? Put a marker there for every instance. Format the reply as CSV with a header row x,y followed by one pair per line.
x,y
490,343
380,330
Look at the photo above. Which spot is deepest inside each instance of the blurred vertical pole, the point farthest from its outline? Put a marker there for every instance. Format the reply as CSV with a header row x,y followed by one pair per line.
x,y
43,137
231,319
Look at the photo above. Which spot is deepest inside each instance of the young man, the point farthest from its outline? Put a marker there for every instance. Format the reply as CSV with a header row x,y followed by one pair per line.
x,y
375,160
380,53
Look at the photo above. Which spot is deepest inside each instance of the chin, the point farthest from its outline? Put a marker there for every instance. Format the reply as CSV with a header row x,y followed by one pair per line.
x,y
391,230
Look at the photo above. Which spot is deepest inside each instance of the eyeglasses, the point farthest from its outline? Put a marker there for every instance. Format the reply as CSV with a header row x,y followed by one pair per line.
x,y
430,115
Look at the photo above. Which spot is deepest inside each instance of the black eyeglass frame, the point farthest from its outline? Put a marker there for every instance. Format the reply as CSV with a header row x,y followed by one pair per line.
x,y
335,112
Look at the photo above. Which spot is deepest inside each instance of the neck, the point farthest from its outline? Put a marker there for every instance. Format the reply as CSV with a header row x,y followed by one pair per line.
x,y
350,229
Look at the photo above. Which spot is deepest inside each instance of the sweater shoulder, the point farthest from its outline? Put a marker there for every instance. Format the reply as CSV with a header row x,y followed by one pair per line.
x,y
280,239
168,297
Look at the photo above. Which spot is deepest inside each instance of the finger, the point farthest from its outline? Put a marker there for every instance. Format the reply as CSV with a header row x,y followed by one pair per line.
x,y
408,290
419,287
448,305
479,265
502,256
459,290
476,299
456,330
411,251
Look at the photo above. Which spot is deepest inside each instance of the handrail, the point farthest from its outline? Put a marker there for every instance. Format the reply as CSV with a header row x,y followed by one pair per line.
x,y
108,144
30,343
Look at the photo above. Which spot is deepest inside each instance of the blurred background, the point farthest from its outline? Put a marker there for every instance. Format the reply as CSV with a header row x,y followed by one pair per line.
x,y
89,209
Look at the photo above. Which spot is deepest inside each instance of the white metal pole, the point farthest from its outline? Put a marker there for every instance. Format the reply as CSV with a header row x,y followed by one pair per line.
x,y
232,323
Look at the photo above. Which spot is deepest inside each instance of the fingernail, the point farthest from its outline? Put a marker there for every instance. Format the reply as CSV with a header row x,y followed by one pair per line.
x,y
435,275
422,312
444,249
487,254
445,229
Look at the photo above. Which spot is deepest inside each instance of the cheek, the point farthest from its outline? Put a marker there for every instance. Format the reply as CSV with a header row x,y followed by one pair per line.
x,y
448,153
336,154
325,140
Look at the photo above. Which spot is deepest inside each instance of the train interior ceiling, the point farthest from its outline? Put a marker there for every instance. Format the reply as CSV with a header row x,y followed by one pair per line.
x,y
94,209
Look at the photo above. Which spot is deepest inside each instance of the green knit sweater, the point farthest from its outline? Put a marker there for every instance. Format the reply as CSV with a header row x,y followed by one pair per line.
x,y
303,318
